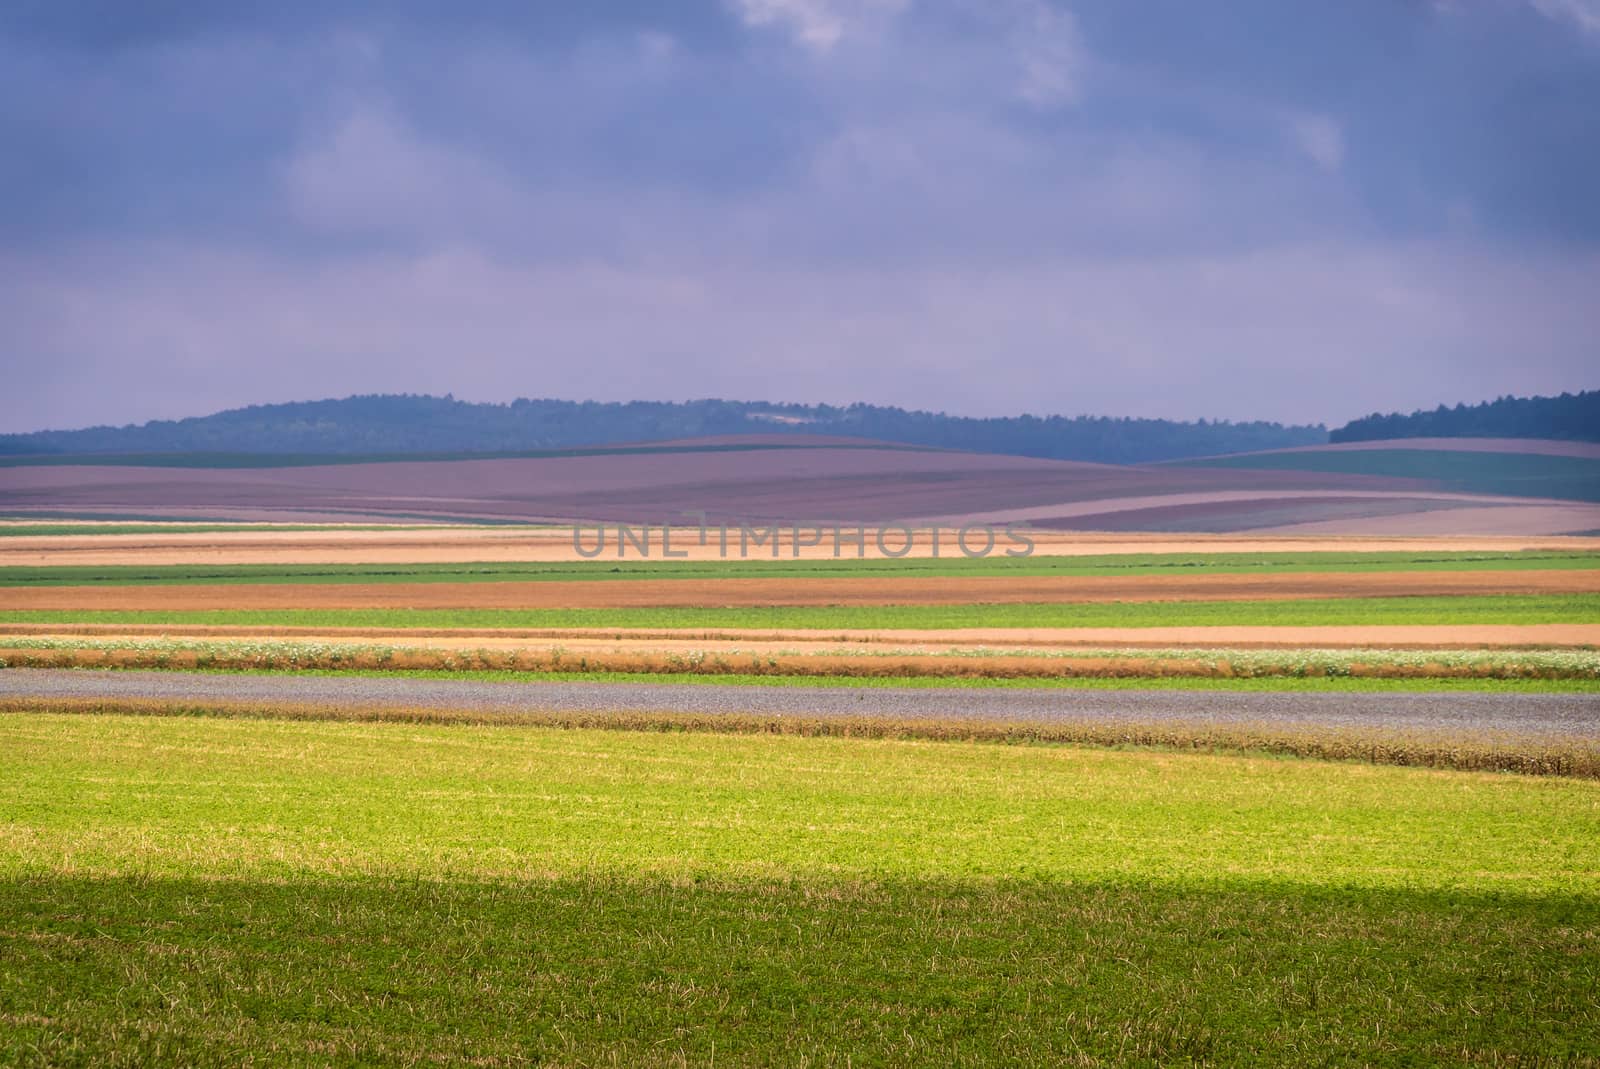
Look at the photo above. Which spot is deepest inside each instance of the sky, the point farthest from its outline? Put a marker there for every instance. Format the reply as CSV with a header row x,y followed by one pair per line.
x,y
1237,210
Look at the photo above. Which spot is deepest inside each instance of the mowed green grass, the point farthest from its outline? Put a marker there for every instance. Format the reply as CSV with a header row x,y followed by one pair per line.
x,y
1131,564
204,891
1489,609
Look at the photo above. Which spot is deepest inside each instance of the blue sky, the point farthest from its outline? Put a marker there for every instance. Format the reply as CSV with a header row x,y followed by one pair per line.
x,y
1253,209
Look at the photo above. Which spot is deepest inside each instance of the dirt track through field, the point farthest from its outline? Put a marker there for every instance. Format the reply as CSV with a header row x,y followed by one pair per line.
x,y
1528,716
866,591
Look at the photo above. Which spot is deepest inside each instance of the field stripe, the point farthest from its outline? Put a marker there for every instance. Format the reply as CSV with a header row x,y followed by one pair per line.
x,y
1572,716
749,592
1131,565
1576,609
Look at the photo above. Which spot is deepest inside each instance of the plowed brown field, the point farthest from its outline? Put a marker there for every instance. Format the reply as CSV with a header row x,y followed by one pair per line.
x,y
875,590
873,484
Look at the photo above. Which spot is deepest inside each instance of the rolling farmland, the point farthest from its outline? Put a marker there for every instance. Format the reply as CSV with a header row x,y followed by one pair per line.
x,y
514,598
1520,468
647,805
821,534
1405,491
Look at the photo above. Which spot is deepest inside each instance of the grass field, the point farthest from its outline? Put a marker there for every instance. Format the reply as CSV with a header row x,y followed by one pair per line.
x,y
1499,609
1131,564
203,891
1520,474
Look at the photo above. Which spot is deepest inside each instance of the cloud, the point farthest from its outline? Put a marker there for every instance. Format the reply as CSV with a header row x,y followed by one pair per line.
x,y
978,205
1585,14
1320,138
372,175
1298,333
1049,52
927,188
817,24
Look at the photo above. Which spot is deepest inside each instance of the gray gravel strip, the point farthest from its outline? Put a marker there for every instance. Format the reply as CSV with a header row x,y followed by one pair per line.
x,y
1569,715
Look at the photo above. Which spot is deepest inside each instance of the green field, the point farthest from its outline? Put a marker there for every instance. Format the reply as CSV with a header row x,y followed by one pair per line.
x,y
1492,609
206,891
1132,564
1519,474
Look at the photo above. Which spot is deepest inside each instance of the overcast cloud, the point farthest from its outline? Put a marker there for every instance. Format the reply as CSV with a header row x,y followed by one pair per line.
x,y
1129,207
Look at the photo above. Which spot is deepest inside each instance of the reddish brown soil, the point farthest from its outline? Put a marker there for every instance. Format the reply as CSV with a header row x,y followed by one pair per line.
x,y
736,642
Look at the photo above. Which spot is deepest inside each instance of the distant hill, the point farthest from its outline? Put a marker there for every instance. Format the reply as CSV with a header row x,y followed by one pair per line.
x,y
1519,467
385,425
1570,417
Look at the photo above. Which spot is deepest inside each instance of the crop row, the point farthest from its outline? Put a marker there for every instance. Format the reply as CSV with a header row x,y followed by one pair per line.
x,y
977,662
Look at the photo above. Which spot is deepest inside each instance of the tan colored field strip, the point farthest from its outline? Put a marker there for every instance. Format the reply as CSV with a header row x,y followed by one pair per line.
x,y
763,641
867,590
890,662
500,544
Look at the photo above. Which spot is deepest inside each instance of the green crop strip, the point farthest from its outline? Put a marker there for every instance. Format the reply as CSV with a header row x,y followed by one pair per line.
x,y
182,796
1496,609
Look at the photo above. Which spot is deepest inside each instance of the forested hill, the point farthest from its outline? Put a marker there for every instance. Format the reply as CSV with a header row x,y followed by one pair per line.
x,y
1572,417
399,424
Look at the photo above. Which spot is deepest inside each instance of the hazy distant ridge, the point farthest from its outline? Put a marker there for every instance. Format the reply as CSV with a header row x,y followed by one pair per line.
x,y
388,424
1570,417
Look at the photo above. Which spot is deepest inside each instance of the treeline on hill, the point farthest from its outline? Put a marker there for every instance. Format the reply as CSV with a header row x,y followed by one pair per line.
x,y
1571,417
400,424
